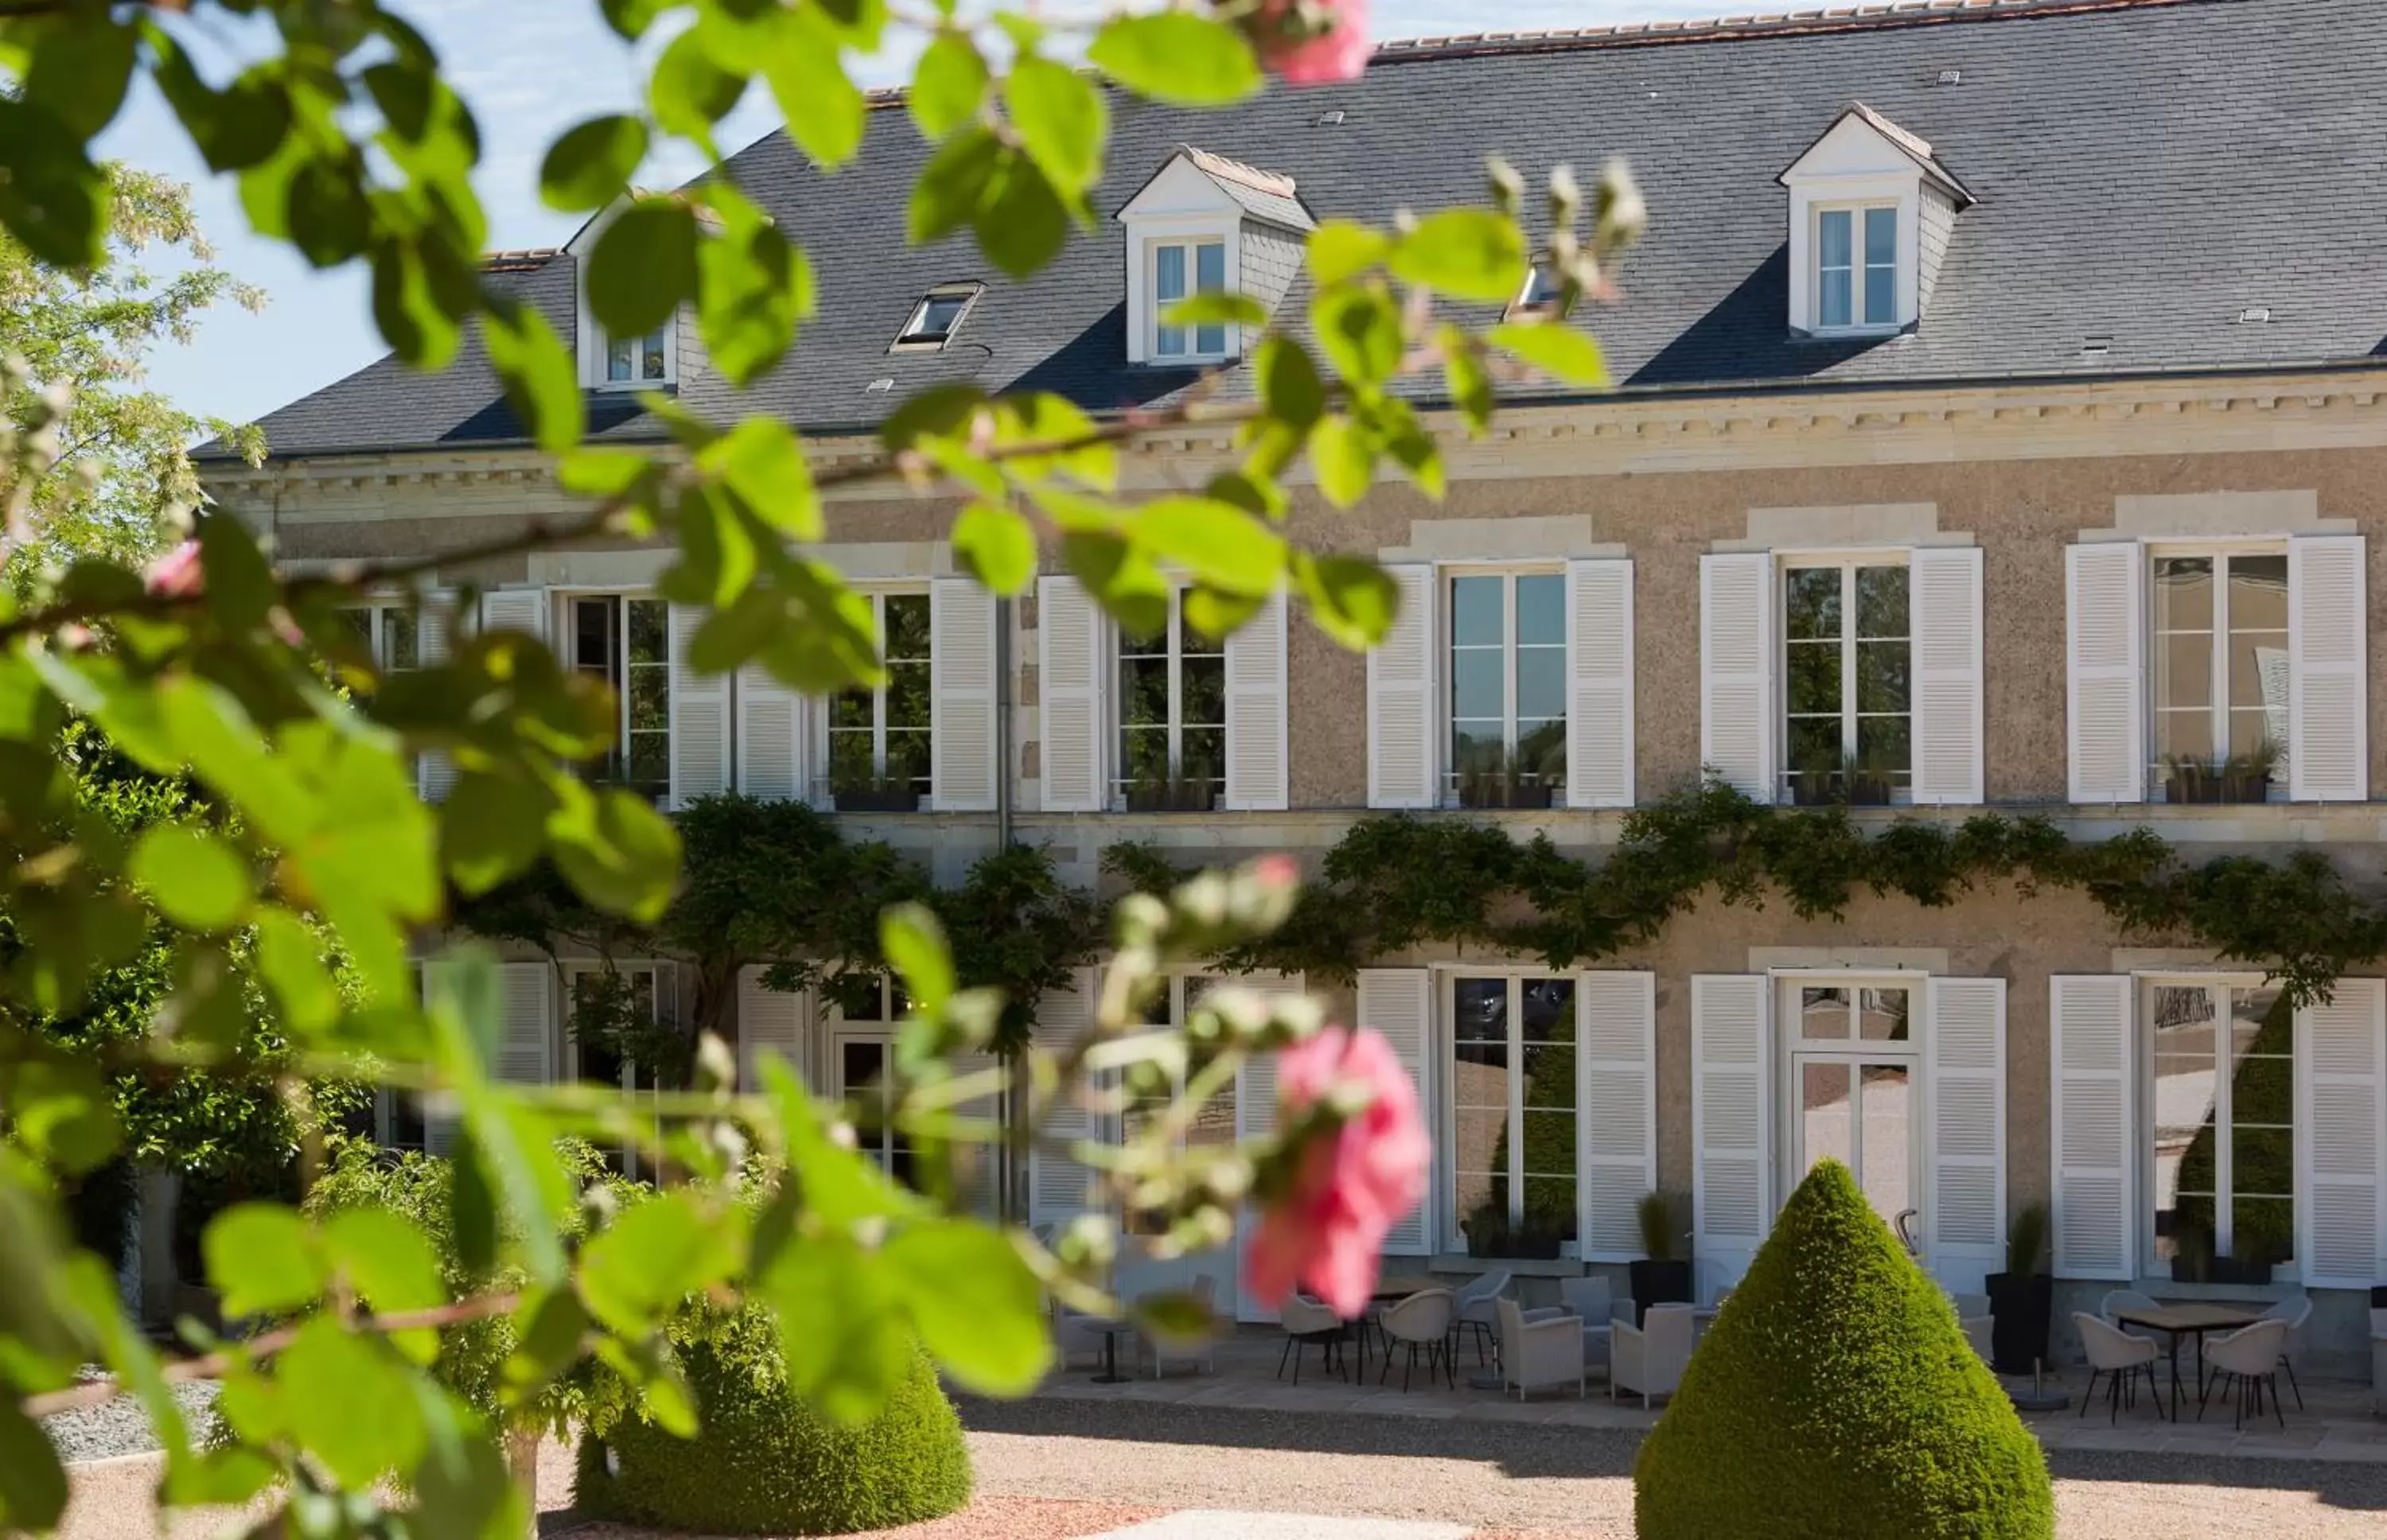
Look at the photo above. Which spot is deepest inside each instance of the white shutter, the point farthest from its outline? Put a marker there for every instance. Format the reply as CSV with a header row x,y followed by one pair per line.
x,y
1616,1109
770,1022
978,1167
2093,1054
527,1041
1255,1085
1964,1184
1257,755
774,727
1944,585
2341,1137
1070,633
439,1127
2105,587
2328,709
1399,1003
1401,716
962,692
1059,1189
1599,684
1731,1124
521,610
1736,649
699,716
434,773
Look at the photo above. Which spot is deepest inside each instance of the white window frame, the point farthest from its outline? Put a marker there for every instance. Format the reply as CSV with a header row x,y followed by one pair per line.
x,y
380,608
1791,1045
560,621
823,733
1193,352
1526,306
2218,553
1115,698
2143,1019
1848,561
1147,231
600,360
1446,668
1860,272
1445,1113
909,339
667,1009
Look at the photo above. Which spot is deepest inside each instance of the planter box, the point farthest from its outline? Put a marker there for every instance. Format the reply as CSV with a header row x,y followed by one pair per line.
x,y
2216,791
893,798
1539,794
2022,1307
1514,1246
1864,791
1171,800
2218,1269
1667,1282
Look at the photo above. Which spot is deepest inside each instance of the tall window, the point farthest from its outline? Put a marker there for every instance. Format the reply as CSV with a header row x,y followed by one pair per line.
x,y
1854,1062
1174,263
878,738
607,1008
638,361
1172,716
1213,1129
2221,674
1508,686
868,1006
1513,1113
625,642
388,631
1847,693
1857,284
2223,1123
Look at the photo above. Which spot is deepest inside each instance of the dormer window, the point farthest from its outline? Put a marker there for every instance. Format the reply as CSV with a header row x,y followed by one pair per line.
x,y
936,318
1173,262
1856,268
630,362
1205,225
1539,295
1872,212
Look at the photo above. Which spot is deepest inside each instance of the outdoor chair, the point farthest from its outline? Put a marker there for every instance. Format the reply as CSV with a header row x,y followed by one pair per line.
x,y
1649,1359
2119,1300
1200,1350
1973,1315
1421,1320
1547,1351
2117,1353
1310,1323
1588,1300
1073,1332
2295,1312
1476,1316
2249,1360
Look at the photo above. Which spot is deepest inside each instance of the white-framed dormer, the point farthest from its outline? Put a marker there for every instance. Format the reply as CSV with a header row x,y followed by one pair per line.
x,y
649,362
1205,225
1871,210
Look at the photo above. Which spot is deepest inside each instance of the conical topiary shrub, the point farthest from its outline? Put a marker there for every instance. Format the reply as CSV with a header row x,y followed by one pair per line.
x,y
1836,1396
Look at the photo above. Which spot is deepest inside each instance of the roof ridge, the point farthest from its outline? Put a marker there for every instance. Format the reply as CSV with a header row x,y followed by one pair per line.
x,y
1886,15
1241,171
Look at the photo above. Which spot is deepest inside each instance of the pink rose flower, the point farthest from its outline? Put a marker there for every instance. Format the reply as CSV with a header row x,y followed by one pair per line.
x,y
1338,54
177,575
1350,1188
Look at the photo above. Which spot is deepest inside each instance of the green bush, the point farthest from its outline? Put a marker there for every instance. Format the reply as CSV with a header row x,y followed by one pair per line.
x,y
765,1462
1836,1396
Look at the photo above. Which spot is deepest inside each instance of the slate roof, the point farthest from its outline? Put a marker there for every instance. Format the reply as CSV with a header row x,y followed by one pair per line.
x,y
2146,170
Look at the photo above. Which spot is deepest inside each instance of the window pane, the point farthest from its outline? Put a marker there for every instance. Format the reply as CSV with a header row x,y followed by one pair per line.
x,y
1815,745
1886,747
1886,1170
1811,603
2258,670
2184,1094
1479,1013
651,354
1541,749
1549,1005
1210,337
1203,687
853,708
2183,593
592,636
2262,731
1881,269
1477,746
1478,684
1168,273
650,763
1822,1012
2184,671
1541,609
649,620
1881,1015
650,708
1827,1131
1143,756
1476,613
619,355
1209,268
907,756
1814,671
1881,601
2185,735
1144,691
1883,683
1838,301
850,762
907,625
1541,682
1202,754
907,695
1170,342
1881,237
1550,1200
399,647
1833,238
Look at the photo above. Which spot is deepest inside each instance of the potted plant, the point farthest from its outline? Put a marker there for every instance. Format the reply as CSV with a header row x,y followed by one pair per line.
x,y
1501,782
855,791
2235,778
1842,780
1486,1230
1193,790
2192,1254
1660,1277
2022,1299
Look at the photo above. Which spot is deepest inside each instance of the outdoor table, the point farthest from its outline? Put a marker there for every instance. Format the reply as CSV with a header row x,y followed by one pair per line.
x,y
1112,1331
2182,1320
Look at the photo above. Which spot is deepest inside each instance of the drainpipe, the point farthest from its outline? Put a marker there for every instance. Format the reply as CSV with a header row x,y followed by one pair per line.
x,y
1014,1176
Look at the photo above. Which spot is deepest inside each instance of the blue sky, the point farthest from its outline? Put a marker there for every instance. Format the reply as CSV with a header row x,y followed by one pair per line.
x,y
530,69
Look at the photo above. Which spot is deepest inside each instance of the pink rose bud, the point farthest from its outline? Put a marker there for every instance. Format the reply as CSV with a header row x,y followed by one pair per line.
x,y
1350,1187
1276,871
1338,54
177,575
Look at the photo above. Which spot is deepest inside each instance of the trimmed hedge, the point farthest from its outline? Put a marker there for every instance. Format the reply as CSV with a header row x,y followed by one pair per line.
x,y
766,1463
1836,1396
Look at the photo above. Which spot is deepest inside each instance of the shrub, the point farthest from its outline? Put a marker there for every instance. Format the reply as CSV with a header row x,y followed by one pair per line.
x,y
765,1462
1836,1396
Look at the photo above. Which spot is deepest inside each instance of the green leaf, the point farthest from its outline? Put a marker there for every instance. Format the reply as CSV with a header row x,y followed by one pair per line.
x,y
1360,330
1469,253
753,286
241,590
1351,599
1178,57
939,409
540,382
1213,614
825,109
840,1336
1340,249
290,959
1020,223
197,880
950,188
947,84
81,66
1238,309
1068,442
914,946
995,546
491,827
690,91
53,199
603,472
1122,577
33,1481
1288,382
1217,542
261,1257
1468,381
630,18
643,266
762,462
1060,118
617,851
978,1308
656,1254
1555,348
1342,459
65,1113
591,163
412,321
330,221
235,129
461,1486
392,1268
548,1343
355,1408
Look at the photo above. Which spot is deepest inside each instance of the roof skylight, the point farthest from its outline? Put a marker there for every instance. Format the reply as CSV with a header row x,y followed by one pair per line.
x,y
936,318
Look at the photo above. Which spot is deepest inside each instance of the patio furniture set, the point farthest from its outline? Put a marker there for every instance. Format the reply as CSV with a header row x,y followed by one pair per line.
x,y
2252,1348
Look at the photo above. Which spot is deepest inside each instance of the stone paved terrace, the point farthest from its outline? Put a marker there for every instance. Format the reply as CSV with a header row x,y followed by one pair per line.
x,y
2336,1423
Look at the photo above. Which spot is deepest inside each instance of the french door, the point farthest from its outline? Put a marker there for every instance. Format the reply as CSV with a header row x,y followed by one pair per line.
x,y
1855,1073
858,1061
